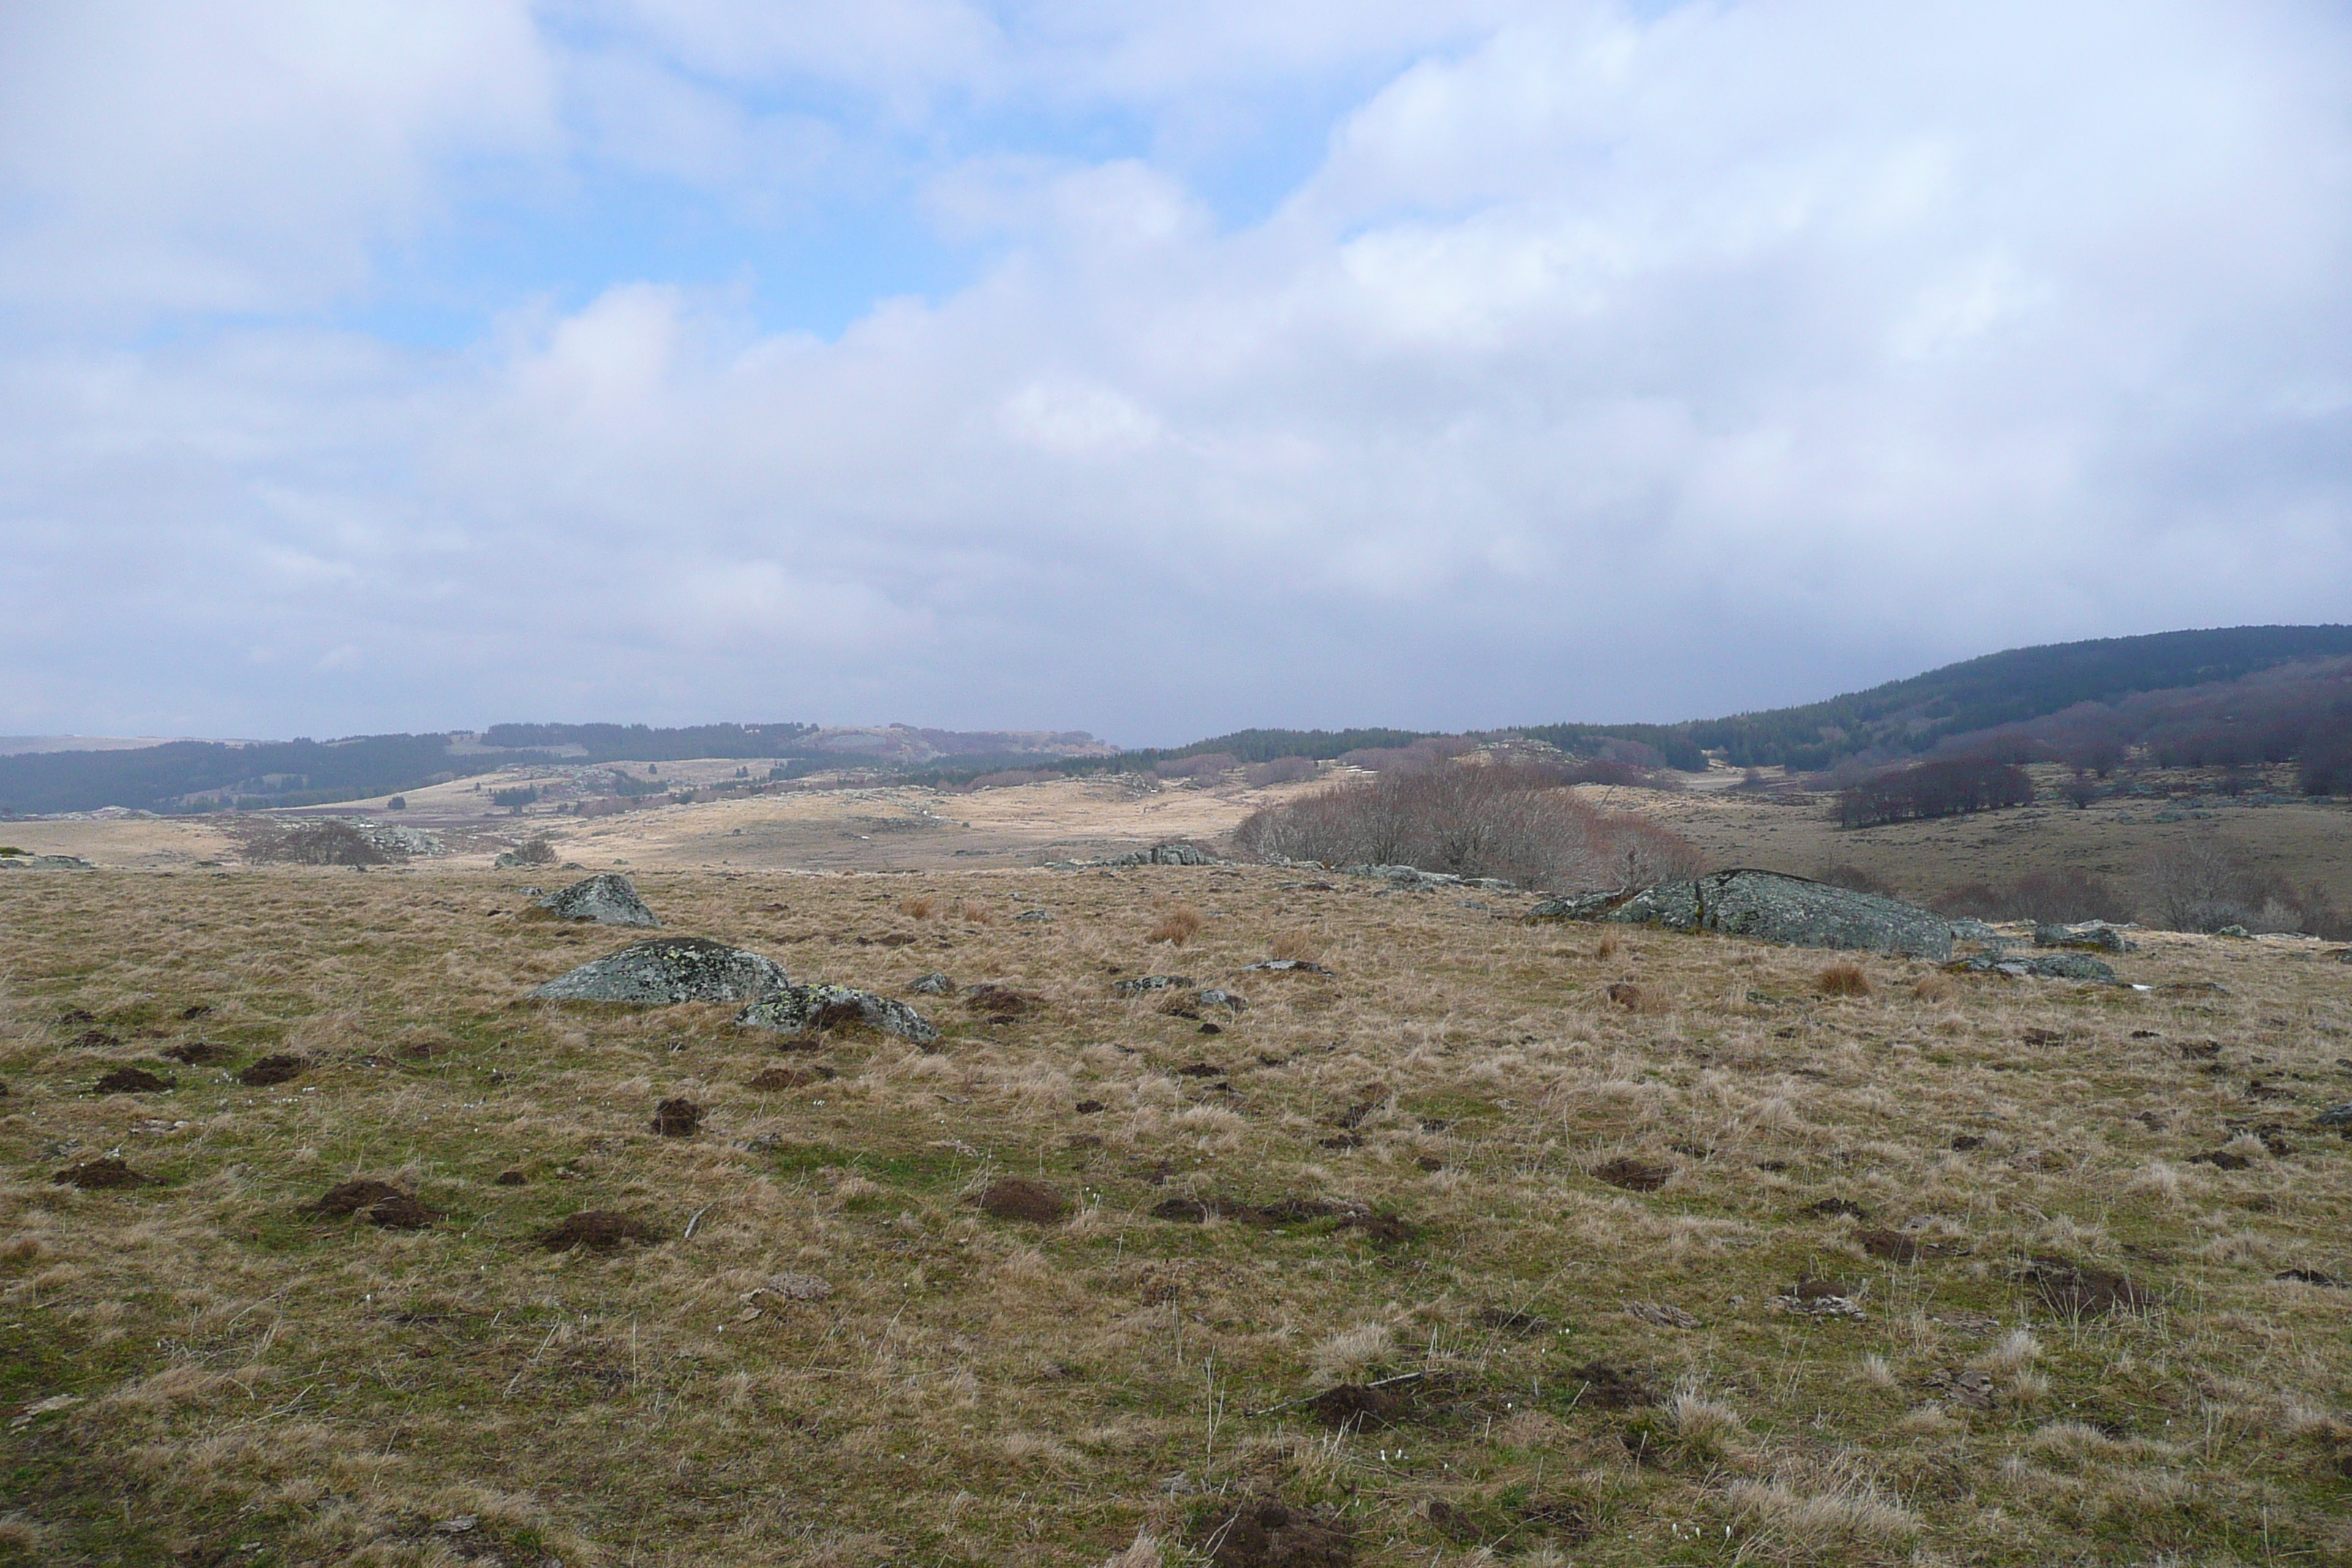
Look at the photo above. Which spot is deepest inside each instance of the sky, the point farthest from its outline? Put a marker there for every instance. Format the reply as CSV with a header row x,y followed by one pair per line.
x,y
1152,369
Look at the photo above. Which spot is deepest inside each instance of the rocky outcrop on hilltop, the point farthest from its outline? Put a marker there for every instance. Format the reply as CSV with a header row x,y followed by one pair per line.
x,y
1770,907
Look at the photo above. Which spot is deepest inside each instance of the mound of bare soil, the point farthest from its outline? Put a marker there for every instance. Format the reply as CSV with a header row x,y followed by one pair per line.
x,y
400,1212
510,1178
199,1053
281,1069
598,1230
2074,1289
1265,1533
1633,1175
1353,1407
999,1001
1378,1226
1614,1388
1017,1197
101,1175
1892,1244
775,1078
95,1040
131,1080
349,1197
677,1118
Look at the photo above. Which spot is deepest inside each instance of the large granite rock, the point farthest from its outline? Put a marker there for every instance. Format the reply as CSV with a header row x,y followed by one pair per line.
x,y
608,898
2048,966
1421,881
1770,907
665,971
1173,853
2094,935
805,1009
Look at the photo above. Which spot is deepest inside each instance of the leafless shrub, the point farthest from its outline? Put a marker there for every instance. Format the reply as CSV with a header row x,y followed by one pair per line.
x,y
1515,820
2201,884
1282,770
322,843
1861,880
2065,893
1425,753
535,852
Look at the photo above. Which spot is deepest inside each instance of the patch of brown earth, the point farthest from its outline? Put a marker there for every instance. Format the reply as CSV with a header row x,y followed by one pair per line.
x,y
101,1175
1353,1407
2074,1289
510,1178
1001,1001
774,1078
677,1118
1265,1533
199,1053
131,1080
1892,1244
274,1069
1017,1197
400,1212
1610,1387
349,1197
598,1230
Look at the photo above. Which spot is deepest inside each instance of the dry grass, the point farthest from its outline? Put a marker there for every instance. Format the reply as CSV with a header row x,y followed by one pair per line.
x,y
201,1369
1843,980
1178,926
917,909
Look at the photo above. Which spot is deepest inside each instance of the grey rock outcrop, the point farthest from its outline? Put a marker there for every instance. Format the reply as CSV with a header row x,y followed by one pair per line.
x,y
1175,852
1977,930
1143,982
1419,880
608,898
932,984
664,971
2048,966
1216,997
1770,907
2096,935
805,1009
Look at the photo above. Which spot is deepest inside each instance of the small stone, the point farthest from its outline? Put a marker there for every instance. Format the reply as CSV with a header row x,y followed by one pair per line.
x,y
931,985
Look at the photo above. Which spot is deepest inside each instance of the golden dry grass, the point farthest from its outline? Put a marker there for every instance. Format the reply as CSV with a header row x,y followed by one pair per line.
x,y
200,1371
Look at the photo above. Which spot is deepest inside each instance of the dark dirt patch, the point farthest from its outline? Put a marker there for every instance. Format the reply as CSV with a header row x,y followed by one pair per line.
x,y
1828,1207
95,1039
2044,1036
1379,1227
1514,1322
131,1080
274,1069
2221,1160
1633,1175
1211,1030
1355,1406
1610,1387
1201,1070
599,1230
677,1118
199,1053
1354,1115
101,1175
1507,1525
1965,1141
1017,1197
1265,1533
2070,1289
1001,1001
1089,1107
1891,1245
1821,1289
2200,1050
2311,1276
400,1212
72,1016
774,1078
510,1178
1341,1140
195,1011
349,1197
1626,996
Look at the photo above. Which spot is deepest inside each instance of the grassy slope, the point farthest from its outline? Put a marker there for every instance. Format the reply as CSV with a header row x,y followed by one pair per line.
x,y
258,1386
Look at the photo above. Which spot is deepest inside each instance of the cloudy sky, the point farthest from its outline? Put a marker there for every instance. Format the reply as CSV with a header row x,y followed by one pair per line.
x,y
1148,368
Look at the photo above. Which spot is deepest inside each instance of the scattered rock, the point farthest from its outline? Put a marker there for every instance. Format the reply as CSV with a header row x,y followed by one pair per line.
x,y
199,1053
1265,1533
678,1118
2097,935
1417,880
2074,1289
1976,931
598,1230
1143,982
1964,1385
1820,1299
665,971
607,898
1608,1387
1633,1175
1660,1314
349,1197
1285,966
931,985
1771,907
101,1175
1214,997
131,1080
1017,1197
274,1069
808,1009
1034,917
510,1178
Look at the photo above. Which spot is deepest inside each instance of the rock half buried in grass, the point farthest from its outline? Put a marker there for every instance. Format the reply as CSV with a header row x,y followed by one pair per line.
x,y
1017,1197
131,1080
665,971
1771,907
932,984
806,1009
1265,1533
677,1118
598,1230
101,1175
274,1069
607,898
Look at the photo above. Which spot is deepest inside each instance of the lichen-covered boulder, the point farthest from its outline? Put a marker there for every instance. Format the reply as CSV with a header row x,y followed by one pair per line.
x,y
1175,852
805,1009
2046,966
2096,935
665,971
608,898
1771,907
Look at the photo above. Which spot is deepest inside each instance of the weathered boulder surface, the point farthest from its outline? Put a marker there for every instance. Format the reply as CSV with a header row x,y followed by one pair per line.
x,y
1175,852
2048,966
1418,881
664,971
804,1009
1771,907
2097,935
608,898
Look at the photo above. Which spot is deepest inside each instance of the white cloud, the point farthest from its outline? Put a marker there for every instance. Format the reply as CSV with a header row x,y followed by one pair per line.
x,y
1606,365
